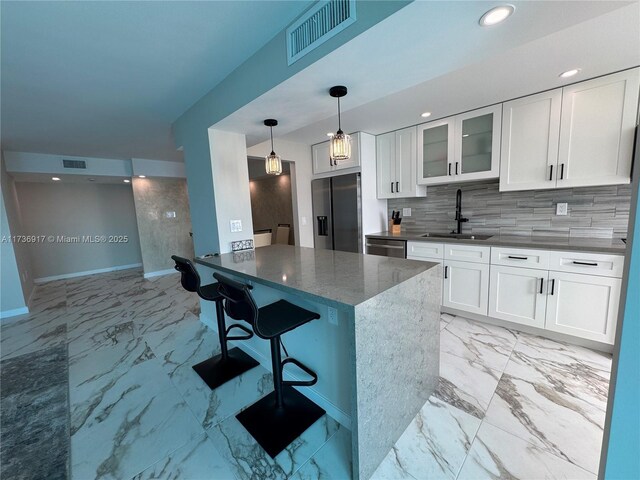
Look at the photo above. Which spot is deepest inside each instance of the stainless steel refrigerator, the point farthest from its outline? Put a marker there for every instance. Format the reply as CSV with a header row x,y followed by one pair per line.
x,y
337,213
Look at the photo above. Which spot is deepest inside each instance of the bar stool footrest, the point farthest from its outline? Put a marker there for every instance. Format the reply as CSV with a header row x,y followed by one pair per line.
x,y
276,428
238,337
216,371
305,369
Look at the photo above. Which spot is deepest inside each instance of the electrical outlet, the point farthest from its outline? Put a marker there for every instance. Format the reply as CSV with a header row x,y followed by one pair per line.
x,y
562,208
236,226
406,212
170,214
333,315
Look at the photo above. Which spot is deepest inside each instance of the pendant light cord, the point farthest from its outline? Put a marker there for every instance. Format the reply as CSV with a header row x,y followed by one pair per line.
x,y
339,125
272,151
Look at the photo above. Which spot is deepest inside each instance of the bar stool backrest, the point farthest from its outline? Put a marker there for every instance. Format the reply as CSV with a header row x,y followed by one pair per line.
x,y
189,277
239,303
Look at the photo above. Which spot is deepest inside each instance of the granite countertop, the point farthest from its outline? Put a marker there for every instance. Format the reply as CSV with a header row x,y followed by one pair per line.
x,y
595,245
334,278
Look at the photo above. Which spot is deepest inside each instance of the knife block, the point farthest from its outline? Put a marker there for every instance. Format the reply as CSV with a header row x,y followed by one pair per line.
x,y
394,228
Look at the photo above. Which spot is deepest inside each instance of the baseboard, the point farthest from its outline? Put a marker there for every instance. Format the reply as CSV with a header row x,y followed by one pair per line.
x,y
85,273
15,312
160,273
334,412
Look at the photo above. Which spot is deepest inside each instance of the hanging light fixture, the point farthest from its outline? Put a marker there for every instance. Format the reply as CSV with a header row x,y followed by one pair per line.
x,y
272,163
340,143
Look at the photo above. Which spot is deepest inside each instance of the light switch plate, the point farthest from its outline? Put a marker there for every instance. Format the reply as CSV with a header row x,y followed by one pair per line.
x,y
236,226
562,208
406,212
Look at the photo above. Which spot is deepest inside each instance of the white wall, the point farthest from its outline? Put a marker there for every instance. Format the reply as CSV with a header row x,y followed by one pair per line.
x,y
75,209
231,180
301,172
11,297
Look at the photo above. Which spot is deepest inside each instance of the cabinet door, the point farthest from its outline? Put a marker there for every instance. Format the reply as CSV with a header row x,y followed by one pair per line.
x,y
597,130
321,161
477,144
406,162
466,286
435,152
518,295
583,305
386,164
530,137
354,161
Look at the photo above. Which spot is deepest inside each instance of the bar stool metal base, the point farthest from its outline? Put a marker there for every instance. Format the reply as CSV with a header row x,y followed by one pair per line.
x,y
276,428
217,370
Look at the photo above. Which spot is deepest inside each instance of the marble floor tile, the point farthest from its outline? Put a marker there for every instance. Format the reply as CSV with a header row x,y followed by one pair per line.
x,y
391,468
331,462
48,298
139,419
496,454
33,332
250,461
192,345
465,384
34,416
436,442
197,460
481,343
563,414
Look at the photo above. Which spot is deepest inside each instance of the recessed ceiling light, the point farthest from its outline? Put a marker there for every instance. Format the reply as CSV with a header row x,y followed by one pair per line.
x,y
496,15
426,114
569,73
126,180
142,176
91,179
55,179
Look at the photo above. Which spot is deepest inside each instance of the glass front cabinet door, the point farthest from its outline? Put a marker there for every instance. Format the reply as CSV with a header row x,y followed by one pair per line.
x,y
460,148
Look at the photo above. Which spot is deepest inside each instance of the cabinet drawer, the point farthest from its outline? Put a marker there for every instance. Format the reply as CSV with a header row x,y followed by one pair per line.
x,y
588,263
425,250
467,253
520,257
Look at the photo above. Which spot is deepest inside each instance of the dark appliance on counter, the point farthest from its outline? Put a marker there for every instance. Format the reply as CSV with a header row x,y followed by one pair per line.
x,y
337,213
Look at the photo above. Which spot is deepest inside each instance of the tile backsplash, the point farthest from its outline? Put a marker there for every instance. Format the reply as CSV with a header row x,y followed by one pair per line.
x,y
596,212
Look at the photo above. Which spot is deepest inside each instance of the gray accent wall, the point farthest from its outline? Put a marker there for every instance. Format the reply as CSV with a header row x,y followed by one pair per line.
x,y
595,212
271,203
161,233
77,209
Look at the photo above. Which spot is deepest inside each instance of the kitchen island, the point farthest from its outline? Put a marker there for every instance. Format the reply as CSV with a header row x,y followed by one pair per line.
x,y
376,345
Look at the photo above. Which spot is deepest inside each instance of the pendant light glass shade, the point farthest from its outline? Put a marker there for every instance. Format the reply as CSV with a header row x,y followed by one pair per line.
x,y
272,162
340,143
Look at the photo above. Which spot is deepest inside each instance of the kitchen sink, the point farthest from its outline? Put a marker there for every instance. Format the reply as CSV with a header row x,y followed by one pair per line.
x,y
462,236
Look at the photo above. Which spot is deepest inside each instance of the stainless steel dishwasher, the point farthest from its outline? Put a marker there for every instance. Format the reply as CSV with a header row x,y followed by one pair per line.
x,y
387,247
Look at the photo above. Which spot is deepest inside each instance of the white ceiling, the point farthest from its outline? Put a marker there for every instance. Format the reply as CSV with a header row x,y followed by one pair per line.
x,y
107,79
433,56
65,179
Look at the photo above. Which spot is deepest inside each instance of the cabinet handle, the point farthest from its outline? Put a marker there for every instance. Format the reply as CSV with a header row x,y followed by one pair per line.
x,y
561,171
391,187
588,264
518,258
397,187
446,270
553,285
456,168
550,172
541,285
449,169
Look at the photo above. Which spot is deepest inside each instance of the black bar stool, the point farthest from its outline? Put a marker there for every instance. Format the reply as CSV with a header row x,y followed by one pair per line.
x,y
282,416
229,363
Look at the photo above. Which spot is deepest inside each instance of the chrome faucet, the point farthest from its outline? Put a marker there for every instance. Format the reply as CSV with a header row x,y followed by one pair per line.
x,y
459,217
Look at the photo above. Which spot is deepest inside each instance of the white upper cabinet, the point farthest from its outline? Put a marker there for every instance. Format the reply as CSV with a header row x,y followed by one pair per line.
x,y
322,163
577,136
597,130
530,138
396,164
461,148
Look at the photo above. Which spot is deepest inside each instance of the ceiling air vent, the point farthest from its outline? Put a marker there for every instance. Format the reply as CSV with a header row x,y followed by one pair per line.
x,y
74,163
317,25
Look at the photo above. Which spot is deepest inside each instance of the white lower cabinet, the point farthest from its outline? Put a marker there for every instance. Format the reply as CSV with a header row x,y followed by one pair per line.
x,y
583,305
466,286
518,295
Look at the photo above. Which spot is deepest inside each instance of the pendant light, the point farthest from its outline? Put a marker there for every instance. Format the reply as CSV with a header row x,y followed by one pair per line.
x,y
272,163
340,143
